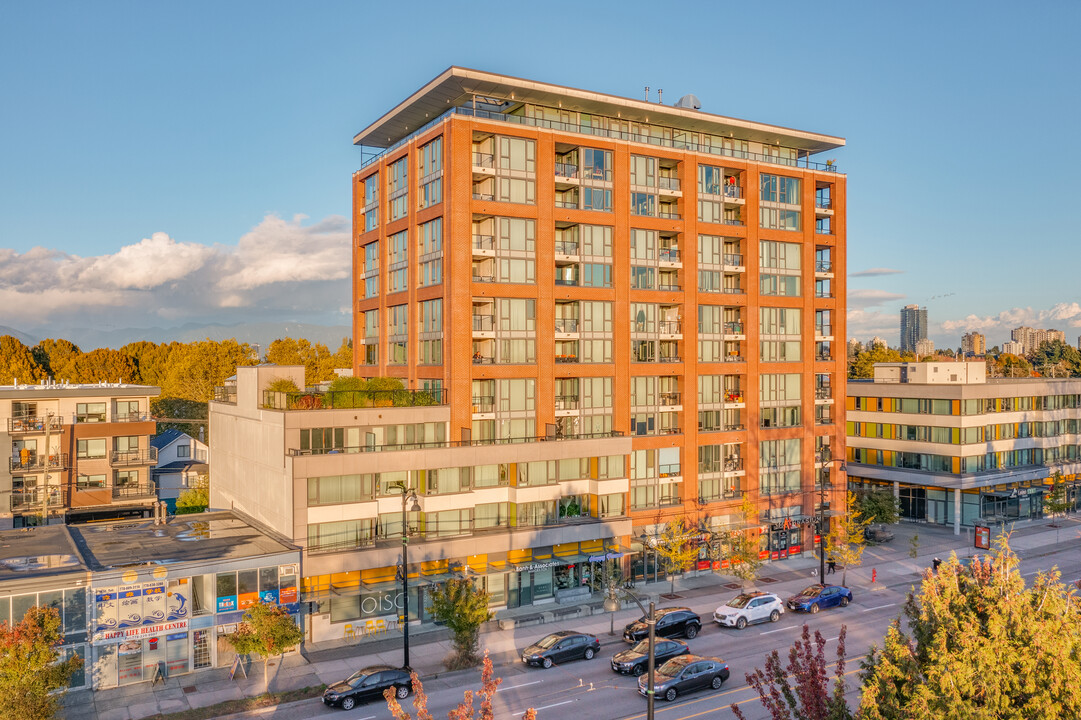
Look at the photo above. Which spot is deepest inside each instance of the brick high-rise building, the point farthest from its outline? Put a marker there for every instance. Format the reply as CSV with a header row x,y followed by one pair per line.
x,y
569,264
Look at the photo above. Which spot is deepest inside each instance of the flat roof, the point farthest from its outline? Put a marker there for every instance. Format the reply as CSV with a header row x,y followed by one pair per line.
x,y
457,85
220,536
71,390
38,551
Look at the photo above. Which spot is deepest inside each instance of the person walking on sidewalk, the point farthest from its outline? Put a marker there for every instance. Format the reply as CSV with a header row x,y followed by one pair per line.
x,y
831,566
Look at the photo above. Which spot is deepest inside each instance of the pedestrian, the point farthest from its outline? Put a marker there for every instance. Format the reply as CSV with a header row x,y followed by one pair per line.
x,y
831,566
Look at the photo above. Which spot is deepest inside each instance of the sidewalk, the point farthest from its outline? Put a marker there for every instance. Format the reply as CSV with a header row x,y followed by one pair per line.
x,y
331,662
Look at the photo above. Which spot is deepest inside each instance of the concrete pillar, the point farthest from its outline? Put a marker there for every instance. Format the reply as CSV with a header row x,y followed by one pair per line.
x,y
957,511
896,489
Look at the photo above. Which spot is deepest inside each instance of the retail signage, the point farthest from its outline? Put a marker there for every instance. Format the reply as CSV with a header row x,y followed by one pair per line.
x,y
137,605
288,595
226,603
119,636
983,537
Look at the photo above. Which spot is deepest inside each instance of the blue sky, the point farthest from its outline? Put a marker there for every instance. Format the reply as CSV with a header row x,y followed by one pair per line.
x,y
190,162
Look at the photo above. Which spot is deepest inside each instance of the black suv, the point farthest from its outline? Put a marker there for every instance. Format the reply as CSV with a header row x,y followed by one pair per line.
x,y
560,647
671,622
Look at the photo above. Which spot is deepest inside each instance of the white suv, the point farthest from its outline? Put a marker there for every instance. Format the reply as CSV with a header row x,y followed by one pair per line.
x,y
748,609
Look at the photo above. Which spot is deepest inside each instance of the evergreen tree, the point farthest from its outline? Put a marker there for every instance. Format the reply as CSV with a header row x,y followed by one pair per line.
x,y
977,644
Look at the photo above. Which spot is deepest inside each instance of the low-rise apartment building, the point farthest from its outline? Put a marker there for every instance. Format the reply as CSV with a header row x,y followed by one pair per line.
x,y
529,520
73,453
959,448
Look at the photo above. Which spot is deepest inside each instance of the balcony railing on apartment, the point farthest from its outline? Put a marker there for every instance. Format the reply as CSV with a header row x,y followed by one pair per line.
x,y
823,393
566,170
22,500
483,242
484,160
135,491
668,327
296,452
566,325
483,323
669,398
823,330
484,278
824,203
135,457
483,403
804,162
35,424
567,402
566,358
566,247
732,260
668,215
668,255
318,400
735,328
32,461
483,196
823,266
668,183
669,286
226,394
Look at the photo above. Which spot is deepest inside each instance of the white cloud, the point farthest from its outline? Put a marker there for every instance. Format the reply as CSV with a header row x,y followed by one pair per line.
x,y
875,272
1059,317
861,299
279,269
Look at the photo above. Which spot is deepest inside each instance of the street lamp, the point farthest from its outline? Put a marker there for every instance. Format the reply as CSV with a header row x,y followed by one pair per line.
x,y
611,604
403,567
822,518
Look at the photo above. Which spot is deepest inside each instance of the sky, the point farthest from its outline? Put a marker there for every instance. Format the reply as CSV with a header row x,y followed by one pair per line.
x,y
168,163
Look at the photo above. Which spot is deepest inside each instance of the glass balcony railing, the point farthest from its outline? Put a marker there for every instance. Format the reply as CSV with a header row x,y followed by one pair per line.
x,y
483,323
484,160
483,242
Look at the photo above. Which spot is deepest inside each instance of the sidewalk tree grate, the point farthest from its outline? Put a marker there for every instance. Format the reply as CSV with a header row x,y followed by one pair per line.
x,y
733,586
190,688
766,580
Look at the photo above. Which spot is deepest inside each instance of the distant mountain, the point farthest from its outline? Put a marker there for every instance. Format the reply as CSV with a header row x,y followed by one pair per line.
x,y
261,334
28,340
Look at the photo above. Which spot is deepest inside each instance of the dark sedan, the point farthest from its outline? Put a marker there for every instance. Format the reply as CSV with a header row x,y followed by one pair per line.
x,y
817,597
560,647
671,622
685,674
635,661
368,684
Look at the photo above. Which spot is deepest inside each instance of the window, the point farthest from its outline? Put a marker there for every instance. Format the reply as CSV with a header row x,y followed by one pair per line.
x,y
89,412
370,342
775,192
91,448
599,199
371,202
431,162
430,314
780,268
336,489
127,410
90,482
430,250
126,478
596,164
398,188
397,334
397,261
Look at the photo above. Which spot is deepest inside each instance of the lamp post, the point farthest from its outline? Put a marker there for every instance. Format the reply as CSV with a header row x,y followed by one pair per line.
x,y
611,604
403,569
821,520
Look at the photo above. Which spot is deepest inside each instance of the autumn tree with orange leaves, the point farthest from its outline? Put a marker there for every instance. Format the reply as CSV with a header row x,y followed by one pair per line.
x,y
465,710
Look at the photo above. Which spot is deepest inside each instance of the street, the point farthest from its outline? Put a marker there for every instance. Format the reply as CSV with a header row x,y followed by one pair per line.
x,y
591,689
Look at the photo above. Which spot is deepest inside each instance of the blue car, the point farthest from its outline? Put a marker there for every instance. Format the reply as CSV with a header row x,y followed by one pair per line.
x,y
816,597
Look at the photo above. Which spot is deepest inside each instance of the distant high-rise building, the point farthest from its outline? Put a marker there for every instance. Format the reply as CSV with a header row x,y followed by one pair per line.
x,y
1014,348
1031,338
973,343
876,341
925,347
913,326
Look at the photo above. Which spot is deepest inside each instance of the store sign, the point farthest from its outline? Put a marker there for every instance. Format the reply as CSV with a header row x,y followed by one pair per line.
x,y
288,595
119,636
139,604
226,603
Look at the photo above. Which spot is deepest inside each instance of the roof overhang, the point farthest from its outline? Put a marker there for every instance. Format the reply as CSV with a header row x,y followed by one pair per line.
x,y
456,86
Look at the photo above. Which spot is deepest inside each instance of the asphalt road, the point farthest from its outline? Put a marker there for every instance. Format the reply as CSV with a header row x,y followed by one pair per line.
x,y
590,689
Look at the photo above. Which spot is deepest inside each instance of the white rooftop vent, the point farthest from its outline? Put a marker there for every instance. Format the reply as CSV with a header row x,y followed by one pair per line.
x,y
691,102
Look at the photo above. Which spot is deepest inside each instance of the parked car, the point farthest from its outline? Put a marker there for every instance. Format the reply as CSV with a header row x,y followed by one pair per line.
x,y
748,609
877,534
636,660
560,647
816,597
671,622
685,674
368,684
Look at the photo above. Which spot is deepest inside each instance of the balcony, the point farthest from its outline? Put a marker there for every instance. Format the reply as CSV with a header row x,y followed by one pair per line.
x,y
567,402
484,243
823,393
566,325
134,457
35,499
668,215
669,399
483,196
732,221
669,359
733,328
823,330
133,417
669,327
668,255
566,248
32,461
733,358
670,285
479,359
137,491
823,266
566,358
483,323
566,170
485,278
732,260
484,160
351,399
733,192
733,396
567,281
483,403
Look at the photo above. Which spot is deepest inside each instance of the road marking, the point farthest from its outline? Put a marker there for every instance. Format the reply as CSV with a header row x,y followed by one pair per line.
x,y
832,638
877,607
511,687
545,707
767,632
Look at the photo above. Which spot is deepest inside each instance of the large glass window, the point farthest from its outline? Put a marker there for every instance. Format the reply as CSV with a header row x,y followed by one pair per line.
x,y
430,247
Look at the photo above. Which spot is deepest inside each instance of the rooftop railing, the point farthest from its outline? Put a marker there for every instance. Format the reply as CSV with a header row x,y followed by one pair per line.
x,y
327,400
804,162
295,452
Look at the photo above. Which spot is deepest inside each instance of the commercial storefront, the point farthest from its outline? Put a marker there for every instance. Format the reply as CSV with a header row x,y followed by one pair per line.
x,y
345,604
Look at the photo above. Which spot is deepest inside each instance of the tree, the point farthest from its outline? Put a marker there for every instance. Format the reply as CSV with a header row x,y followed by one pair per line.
x,y
863,365
151,360
195,499
30,667
17,362
845,543
675,547
101,365
914,546
465,710
267,629
174,413
741,547
1056,359
801,690
977,644
197,368
317,361
52,355
1055,501
463,608
879,507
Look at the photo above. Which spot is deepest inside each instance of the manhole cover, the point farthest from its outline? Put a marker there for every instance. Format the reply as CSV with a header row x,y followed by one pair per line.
x,y
672,596
733,586
190,688
767,580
